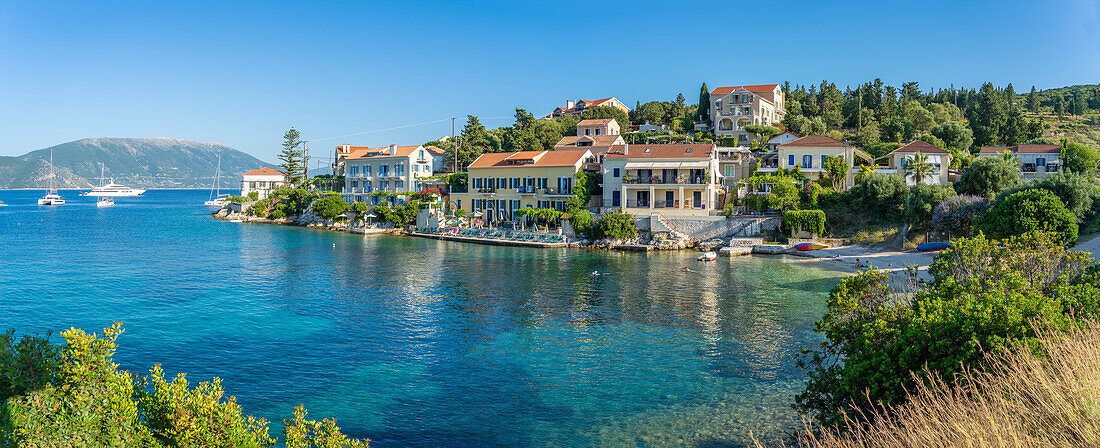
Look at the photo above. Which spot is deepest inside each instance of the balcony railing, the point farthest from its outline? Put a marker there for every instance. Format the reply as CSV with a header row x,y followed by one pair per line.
x,y
674,203
658,180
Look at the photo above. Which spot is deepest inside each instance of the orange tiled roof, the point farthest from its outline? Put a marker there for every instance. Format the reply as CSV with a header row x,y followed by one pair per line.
x,y
821,141
265,171
662,151
594,121
362,152
538,158
757,88
1026,149
922,147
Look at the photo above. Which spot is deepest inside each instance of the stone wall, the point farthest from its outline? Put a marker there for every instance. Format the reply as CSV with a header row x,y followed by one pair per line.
x,y
709,227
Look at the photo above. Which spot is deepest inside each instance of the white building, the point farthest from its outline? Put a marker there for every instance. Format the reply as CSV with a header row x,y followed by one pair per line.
x,y
673,179
388,169
1035,160
262,181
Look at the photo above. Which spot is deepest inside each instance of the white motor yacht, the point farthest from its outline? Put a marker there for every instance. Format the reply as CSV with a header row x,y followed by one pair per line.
x,y
105,202
114,190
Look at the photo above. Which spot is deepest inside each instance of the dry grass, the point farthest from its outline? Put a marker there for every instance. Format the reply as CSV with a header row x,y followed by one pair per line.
x,y
1021,400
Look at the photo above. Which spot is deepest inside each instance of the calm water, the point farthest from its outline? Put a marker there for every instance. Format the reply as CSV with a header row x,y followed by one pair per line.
x,y
423,343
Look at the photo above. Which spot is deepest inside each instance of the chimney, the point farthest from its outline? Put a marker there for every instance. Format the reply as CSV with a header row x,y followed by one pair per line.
x,y
626,149
393,149
569,104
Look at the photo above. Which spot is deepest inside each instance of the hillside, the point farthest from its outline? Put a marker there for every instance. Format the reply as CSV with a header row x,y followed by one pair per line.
x,y
137,162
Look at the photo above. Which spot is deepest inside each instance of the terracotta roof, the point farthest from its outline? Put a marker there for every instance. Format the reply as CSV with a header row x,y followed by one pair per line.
x,y
362,152
599,140
538,158
1026,149
757,88
663,151
922,147
820,141
265,171
435,149
594,121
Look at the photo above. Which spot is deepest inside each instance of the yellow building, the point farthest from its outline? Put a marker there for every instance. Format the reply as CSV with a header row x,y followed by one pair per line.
x,y
938,158
808,155
501,183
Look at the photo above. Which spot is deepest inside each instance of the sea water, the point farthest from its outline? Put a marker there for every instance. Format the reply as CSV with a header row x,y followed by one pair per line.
x,y
423,343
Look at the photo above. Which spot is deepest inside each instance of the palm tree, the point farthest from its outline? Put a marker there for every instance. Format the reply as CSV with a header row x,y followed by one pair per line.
x,y
918,167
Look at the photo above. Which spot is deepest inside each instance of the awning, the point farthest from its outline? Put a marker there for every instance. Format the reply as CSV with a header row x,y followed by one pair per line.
x,y
636,165
666,164
694,164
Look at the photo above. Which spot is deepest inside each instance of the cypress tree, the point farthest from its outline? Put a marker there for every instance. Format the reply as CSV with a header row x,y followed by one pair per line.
x,y
704,105
1033,101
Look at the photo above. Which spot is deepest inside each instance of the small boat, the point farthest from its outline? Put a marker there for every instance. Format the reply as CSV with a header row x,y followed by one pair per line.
x,y
217,199
811,246
933,246
708,256
2,204
105,202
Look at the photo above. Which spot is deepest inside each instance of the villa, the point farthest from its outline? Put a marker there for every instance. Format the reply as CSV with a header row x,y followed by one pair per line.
x,y
262,181
1035,160
734,164
733,108
808,155
673,179
774,142
899,158
387,169
577,107
501,183
596,135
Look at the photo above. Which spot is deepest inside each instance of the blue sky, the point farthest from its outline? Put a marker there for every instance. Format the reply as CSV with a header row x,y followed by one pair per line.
x,y
242,73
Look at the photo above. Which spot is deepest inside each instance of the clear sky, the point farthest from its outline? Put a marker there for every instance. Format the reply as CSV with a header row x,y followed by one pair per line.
x,y
242,73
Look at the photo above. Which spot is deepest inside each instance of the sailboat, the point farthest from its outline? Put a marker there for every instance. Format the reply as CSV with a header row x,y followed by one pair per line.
x,y
51,197
112,189
217,199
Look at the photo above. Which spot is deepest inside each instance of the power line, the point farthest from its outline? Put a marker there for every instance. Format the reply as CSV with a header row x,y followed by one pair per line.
x,y
375,131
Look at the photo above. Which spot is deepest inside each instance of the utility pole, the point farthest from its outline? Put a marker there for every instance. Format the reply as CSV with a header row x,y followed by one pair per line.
x,y
454,142
305,159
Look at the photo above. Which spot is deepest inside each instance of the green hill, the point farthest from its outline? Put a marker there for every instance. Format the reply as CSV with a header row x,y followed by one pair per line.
x,y
137,162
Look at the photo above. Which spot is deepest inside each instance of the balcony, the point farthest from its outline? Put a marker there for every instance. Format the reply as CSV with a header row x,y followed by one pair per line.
x,y
659,180
487,190
674,203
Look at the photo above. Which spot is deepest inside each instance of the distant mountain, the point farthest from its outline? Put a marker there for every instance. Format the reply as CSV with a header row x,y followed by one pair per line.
x,y
136,162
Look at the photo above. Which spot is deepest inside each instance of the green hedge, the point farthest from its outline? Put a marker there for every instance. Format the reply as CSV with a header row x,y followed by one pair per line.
x,y
812,221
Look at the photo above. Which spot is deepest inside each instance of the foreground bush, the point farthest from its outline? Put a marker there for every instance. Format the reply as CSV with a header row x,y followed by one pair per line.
x,y
987,176
984,294
1032,210
74,395
1019,399
617,225
330,207
955,217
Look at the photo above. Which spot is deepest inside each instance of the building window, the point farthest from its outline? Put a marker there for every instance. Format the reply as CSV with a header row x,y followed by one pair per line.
x,y
614,172
823,161
597,131
398,185
502,182
616,198
543,182
366,170
807,161
354,184
790,159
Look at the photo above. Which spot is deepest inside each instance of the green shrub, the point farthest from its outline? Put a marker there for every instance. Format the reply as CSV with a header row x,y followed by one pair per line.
x,y
615,225
1076,191
297,200
812,221
984,298
1079,158
74,395
581,220
330,207
260,208
1033,210
921,200
987,176
879,193
360,207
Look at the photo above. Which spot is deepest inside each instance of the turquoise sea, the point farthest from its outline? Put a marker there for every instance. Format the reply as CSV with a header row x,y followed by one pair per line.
x,y
422,343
